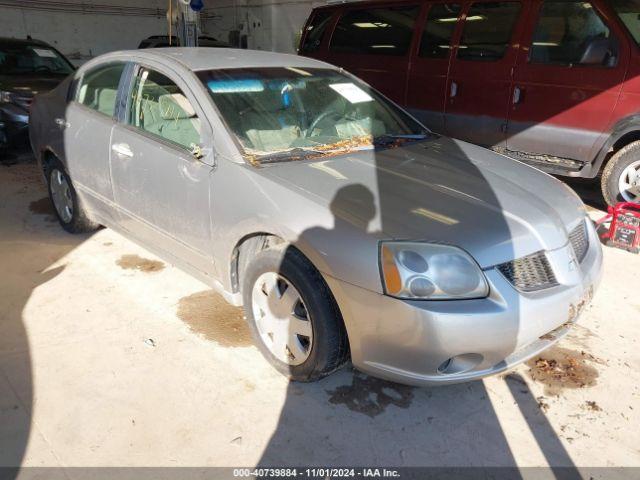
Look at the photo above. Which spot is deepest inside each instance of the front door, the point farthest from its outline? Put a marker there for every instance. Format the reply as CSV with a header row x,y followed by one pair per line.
x,y
480,76
373,43
161,189
429,67
87,124
567,81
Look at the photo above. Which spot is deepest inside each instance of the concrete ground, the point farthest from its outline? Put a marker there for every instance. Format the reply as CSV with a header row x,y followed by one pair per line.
x,y
111,357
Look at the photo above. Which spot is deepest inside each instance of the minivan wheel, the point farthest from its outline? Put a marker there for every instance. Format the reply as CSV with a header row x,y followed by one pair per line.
x,y
68,207
621,176
293,316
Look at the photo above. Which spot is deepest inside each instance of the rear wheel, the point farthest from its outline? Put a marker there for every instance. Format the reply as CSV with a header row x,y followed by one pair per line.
x,y
293,316
621,176
68,206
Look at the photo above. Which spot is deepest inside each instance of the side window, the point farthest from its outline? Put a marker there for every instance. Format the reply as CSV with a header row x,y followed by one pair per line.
x,y
380,31
438,30
572,33
98,88
487,30
160,108
315,32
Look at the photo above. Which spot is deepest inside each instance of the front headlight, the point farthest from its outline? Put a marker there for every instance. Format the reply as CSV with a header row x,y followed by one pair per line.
x,y
429,271
5,97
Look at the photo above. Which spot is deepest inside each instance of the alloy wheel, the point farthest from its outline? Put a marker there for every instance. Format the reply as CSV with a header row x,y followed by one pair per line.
x,y
61,195
629,183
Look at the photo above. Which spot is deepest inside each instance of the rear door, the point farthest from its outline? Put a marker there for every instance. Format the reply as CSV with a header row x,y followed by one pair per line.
x,y
429,66
161,189
373,43
567,81
87,123
480,77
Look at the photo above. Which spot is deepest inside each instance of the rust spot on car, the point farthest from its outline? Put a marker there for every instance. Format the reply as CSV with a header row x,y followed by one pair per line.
x,y
209,315
371,396
561,368
136,262
43,207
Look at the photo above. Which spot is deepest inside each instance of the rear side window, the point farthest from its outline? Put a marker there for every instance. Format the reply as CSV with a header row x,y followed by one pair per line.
x,y
572,33
158,107
629,13
314,33
487,30
438,30
378,31
98,88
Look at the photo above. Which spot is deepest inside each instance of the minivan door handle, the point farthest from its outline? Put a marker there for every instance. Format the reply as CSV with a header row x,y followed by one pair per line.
x,y
453,90
122,150
517,95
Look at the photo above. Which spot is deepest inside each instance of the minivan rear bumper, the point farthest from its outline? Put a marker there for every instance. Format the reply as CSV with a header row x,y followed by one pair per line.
x,y
442,342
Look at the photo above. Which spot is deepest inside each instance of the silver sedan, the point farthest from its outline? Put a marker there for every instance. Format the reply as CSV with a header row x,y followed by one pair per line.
x,y
345,228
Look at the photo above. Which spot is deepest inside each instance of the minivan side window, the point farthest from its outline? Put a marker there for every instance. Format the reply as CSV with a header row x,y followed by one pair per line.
x,y
315,32
488,28
158,107
438,30
98,88
629,13
379,31
572,33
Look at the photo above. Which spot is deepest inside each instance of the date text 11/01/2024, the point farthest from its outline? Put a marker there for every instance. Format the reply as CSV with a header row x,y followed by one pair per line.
x,y
317,472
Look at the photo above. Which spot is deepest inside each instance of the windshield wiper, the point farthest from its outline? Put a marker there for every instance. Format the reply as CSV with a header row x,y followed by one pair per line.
x,y
297,153
389,139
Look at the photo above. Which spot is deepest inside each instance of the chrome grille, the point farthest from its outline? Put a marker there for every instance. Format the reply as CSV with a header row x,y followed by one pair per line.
x,y
579,241
529,273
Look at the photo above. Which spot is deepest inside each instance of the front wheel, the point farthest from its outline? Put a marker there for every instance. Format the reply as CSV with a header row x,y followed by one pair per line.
x,y
621,176
68,206
293,316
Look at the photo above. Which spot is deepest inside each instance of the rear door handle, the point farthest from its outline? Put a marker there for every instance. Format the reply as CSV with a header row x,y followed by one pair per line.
x,y
61,122
517,95
453,90
122,150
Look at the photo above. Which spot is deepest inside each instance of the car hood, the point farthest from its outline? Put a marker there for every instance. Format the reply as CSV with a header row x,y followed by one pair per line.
x,y
30,85
443,191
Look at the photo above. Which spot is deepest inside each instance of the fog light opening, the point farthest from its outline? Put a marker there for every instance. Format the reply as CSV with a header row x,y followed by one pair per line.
x,y
460,364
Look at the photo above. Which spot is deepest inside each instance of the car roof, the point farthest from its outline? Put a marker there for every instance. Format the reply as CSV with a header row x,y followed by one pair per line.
x,y
207,58
20,41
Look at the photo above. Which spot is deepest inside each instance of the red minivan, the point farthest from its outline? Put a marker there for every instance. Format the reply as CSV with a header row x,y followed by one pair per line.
x,y
554,83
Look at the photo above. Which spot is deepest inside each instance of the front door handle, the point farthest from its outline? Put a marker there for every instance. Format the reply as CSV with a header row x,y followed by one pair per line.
x,y
517,95
62,123
122,150
453,90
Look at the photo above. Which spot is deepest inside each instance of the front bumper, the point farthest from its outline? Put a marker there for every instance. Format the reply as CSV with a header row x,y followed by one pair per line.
x,y
442,342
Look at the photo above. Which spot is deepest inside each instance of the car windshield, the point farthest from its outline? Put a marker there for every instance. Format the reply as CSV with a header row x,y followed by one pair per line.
x,y
280,114
629,13
27,59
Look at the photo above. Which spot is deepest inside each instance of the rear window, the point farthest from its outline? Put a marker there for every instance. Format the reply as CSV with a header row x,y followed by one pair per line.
x,y
487,30
379,31
314,33
629,13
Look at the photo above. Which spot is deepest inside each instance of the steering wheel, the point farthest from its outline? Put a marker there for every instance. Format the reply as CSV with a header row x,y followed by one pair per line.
x,y
320,118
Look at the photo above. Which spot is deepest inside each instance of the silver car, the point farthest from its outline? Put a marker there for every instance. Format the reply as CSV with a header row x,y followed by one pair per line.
x,y
344,227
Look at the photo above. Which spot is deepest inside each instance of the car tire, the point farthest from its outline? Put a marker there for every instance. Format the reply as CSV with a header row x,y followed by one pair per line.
x,y
312,351
624,161
70,211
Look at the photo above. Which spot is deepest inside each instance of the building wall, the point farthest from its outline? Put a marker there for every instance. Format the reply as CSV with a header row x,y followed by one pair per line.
x,y
84,35
81,29
277,22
